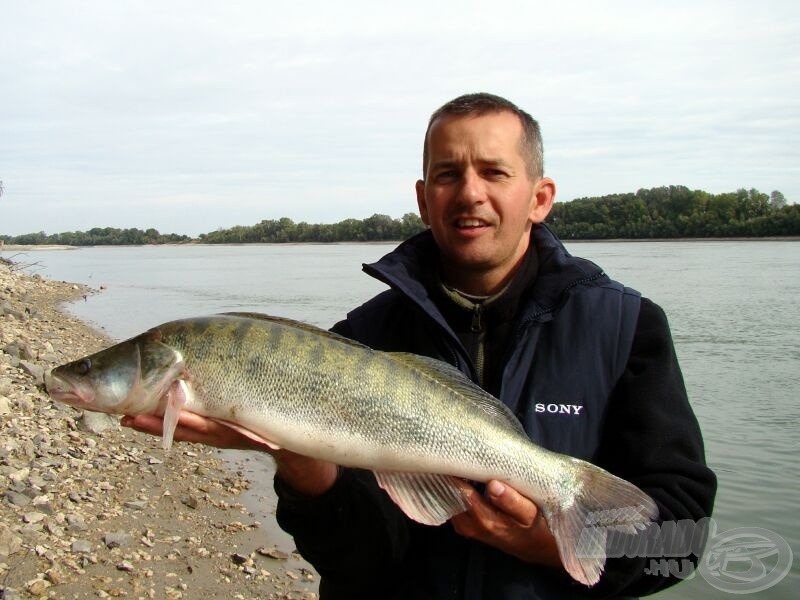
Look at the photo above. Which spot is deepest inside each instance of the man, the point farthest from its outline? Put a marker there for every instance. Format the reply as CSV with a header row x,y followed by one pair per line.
x,y
491,290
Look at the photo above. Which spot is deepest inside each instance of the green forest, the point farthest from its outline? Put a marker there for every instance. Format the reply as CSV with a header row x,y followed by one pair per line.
x,y
657,213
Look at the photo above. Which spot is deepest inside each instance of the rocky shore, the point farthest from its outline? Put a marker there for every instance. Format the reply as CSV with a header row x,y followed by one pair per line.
x,y
89,510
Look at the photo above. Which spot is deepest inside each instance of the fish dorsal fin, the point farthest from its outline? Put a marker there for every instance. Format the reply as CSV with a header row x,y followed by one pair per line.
x,y
424,497
451,377
297,325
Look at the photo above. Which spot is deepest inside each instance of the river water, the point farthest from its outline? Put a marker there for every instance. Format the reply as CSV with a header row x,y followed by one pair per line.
x,y
734,309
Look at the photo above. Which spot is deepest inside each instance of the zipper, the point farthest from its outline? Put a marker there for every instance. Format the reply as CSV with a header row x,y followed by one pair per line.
x,y
477,327
477,322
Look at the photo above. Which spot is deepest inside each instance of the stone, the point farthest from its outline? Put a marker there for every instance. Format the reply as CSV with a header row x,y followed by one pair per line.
x,y
55,575
10,543
20,475
273,553
33,517
34,370
76,522
117,539
97,422
17,498
25,404
126,566
190,501
37,587
7,593
83,546
19,349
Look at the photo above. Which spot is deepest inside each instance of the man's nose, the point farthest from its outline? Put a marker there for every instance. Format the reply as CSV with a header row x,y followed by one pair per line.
x,y
473,189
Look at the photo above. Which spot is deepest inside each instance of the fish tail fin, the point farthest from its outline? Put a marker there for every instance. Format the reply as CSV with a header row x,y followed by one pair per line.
x,y
603,502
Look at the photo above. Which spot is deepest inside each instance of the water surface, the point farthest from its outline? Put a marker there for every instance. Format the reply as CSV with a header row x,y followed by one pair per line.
x,y
734,309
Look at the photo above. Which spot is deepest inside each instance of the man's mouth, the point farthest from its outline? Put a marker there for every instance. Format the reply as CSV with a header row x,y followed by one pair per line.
x,y
470,223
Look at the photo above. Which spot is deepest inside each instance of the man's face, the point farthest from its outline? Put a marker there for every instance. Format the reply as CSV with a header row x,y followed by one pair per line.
x,y
478,198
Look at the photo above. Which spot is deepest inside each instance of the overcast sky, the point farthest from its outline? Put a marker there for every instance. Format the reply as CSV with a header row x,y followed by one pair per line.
x,y
191,116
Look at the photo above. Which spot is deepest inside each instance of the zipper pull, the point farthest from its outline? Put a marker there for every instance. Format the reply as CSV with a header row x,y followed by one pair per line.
x,y
477,323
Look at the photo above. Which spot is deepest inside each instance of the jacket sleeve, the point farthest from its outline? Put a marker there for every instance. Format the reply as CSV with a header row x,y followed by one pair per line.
x,y
652,439
354,535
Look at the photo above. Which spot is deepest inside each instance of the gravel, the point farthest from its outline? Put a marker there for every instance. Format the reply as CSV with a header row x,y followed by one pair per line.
x,y
92,510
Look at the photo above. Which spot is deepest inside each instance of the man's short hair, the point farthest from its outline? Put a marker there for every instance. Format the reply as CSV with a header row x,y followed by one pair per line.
x,y
483,103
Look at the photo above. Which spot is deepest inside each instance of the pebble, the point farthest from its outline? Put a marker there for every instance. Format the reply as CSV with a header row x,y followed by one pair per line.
x,y
93,422
17,498
81,546
117,539
10,543
37,587
189,501
76,522
34,370
126,566
273,553
34,517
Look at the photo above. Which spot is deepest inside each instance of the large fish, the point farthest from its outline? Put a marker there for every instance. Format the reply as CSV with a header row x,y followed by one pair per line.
x,y
416,422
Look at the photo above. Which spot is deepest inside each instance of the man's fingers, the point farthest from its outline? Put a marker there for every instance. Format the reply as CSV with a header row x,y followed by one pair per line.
x,y
144,423
191,428
512,503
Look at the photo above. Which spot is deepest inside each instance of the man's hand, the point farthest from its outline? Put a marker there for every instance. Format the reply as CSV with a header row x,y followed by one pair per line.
x,y
508,521
306,475
197,429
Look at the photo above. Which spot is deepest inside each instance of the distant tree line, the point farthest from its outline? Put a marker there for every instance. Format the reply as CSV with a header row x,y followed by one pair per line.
x,y
97,236
662,212
377,228
675,212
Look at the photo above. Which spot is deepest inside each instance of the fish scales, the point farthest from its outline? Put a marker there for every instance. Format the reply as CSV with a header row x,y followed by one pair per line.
x,y
414,421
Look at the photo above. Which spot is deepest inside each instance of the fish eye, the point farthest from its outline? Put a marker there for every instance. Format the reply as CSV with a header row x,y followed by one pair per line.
x,y
83,367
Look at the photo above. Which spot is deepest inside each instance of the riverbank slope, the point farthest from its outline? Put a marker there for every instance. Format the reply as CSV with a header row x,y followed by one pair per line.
x,y
89,510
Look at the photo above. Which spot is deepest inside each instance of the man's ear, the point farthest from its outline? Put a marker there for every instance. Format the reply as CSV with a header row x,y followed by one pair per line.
x,y
421,205
544,194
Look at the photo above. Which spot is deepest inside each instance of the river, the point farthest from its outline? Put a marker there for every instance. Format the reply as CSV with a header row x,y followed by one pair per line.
x,y
734,309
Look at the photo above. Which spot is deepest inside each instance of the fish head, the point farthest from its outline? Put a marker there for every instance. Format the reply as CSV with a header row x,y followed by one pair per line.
x,y
126,378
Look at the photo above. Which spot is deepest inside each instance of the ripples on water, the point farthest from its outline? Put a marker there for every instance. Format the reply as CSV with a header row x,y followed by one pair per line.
x,y
734,309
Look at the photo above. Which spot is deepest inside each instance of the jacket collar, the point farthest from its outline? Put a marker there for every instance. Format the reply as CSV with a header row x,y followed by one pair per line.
x,y
411,266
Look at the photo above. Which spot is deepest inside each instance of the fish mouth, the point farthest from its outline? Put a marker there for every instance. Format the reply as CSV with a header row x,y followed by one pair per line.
x,y
64,391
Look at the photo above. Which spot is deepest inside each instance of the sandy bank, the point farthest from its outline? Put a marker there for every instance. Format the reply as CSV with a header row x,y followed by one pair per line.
x,y
109,514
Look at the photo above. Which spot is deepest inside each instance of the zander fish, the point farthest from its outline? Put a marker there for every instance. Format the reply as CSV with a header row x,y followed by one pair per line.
x,y
416,422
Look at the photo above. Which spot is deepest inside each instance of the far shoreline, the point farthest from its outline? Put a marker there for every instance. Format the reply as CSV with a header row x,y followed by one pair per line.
x,y
37,247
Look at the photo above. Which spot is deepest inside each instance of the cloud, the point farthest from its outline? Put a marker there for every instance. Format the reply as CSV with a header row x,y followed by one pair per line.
x,y
249,109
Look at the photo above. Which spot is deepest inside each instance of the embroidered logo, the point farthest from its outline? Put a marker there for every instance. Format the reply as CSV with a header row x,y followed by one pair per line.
x,y
560,409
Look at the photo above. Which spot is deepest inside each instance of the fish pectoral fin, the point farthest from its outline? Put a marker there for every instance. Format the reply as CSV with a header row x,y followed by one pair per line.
x,y
177,396
424,497
247,433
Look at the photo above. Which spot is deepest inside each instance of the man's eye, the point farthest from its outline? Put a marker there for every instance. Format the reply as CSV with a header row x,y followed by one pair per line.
x,y
446,175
